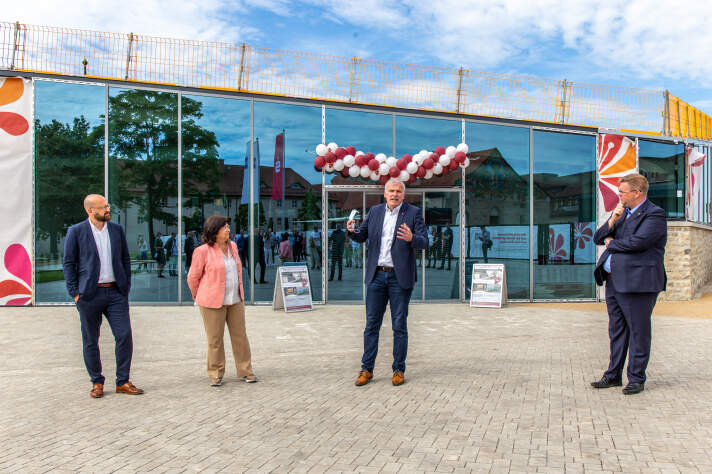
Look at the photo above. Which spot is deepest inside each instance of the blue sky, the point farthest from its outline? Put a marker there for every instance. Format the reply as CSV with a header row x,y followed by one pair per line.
x,y
656,44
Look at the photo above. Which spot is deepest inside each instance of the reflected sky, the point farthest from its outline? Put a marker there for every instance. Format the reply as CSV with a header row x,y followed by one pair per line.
x,y
564,154
511,142
63,101
368,132
417,133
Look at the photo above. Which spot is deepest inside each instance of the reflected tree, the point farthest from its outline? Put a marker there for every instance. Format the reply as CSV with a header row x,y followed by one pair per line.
x,y
309,210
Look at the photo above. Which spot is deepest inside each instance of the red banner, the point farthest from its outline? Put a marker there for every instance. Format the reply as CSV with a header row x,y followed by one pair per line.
x,y
277,190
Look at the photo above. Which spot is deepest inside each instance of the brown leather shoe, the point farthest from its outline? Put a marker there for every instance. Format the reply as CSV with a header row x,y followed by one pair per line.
x,y
129,389
97,391
398,378
363,377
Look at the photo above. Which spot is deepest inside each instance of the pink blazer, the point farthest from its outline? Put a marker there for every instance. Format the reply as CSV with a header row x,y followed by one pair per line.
x,y
206,277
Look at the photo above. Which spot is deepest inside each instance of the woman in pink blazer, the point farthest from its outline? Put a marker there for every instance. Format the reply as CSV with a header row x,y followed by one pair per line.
x,y
215,281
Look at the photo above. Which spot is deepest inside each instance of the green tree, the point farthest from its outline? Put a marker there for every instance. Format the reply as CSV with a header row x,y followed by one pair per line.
x,y
309,210
242,219
69,164
143,143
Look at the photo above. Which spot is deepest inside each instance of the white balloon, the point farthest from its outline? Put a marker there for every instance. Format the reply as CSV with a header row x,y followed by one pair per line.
x,y
404,175
463,148
412,167
359,153
349,161
444,160
365,171
450,152
424,153
429,174
390,161
321,149
374,176
354,171
329,168
438,168
466,163
381,158
332,147
383,169
339,165
419,159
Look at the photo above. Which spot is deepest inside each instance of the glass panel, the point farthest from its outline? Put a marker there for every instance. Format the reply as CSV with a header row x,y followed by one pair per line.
x,y
416,133
69,164
497,202
564,215
664,166
143,191
345,256
289,187
442,218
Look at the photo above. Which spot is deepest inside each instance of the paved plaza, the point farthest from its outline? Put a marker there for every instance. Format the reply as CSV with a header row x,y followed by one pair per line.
x,y
486,390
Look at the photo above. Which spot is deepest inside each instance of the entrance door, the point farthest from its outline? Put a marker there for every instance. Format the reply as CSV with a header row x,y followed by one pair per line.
x,y
440,267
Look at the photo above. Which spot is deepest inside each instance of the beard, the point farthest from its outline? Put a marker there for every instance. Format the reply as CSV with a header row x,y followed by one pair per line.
x,y
106,217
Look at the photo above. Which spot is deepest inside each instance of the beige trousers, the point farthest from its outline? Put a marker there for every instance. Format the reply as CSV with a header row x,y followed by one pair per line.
x,y
214,320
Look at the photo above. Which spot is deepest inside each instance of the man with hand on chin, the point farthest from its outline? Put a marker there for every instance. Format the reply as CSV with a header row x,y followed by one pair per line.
x,y
97,268
394,231
632,267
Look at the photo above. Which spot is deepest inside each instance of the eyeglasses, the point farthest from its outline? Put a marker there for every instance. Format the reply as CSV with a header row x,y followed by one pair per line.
x,y
624,192
106,208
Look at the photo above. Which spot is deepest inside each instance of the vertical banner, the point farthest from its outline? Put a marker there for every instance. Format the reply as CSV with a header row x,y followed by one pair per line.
x,y
616,158
695,161
277,175
16,119
245,199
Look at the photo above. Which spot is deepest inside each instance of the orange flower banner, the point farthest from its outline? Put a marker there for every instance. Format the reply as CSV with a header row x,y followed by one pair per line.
x,y
616,158
16,118
695,162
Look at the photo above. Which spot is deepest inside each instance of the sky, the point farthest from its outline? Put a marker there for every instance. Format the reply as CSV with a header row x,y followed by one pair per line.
x,y
650,44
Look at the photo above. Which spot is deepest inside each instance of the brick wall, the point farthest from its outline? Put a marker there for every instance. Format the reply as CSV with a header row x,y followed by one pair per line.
x,y
688,260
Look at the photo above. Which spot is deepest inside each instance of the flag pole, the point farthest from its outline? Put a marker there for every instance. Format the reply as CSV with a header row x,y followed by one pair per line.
x,y
284,173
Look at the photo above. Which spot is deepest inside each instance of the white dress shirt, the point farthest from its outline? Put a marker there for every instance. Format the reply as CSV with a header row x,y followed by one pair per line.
x,y
389,227
232,282
103,246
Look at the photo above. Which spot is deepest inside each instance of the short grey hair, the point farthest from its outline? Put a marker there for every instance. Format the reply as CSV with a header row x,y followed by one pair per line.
x,y
395,181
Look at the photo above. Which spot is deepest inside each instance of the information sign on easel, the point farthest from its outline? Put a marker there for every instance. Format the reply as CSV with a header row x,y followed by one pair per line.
x,y
489,285
292,290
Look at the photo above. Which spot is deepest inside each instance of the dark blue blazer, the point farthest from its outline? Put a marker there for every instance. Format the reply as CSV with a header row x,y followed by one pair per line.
x,y
402,252
81,260
637,249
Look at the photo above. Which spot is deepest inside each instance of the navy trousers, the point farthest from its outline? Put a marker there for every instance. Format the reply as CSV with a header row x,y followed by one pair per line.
x,y
111,303
629,330
384,288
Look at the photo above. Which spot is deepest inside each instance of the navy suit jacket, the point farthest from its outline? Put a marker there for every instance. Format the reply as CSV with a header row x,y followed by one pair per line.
x,y
637,249
402,252
81,260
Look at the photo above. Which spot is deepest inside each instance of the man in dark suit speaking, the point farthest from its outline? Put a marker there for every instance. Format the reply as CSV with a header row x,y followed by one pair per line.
x,y
394,230
632,267
97,269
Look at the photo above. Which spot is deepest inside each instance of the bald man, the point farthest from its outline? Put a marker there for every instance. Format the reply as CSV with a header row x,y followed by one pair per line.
x,y
97,270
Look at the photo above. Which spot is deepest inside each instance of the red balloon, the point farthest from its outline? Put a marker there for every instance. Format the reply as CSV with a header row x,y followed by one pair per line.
x,y
412,178
373,165
421,172
440,150
460,156
340,153
319,162
434,157
383,179
446,170
428,163
394,172
370,156
407,158
401,164
362,160
318,170
453,164
351,150
345,172
330,157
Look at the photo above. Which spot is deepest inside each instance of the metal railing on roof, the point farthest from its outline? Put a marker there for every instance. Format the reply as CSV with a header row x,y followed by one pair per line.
x,y
251,69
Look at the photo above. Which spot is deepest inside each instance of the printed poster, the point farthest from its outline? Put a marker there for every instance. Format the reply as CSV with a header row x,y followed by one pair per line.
x,y
292,290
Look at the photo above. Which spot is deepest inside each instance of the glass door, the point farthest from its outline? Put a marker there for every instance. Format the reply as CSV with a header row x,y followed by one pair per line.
x,y
442,260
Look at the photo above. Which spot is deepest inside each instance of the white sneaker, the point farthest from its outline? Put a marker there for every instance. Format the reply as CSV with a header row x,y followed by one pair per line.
x,y
249,378
215,382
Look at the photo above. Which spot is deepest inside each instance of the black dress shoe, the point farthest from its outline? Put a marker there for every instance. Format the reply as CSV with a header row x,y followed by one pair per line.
x,y
633,388
605,382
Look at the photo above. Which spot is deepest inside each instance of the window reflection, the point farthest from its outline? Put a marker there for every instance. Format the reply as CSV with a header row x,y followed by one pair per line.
x,y
497,202
69,164
664,166
564,215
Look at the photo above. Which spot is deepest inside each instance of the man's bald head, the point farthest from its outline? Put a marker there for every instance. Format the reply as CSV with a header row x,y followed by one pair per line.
x,y
97,208
93,200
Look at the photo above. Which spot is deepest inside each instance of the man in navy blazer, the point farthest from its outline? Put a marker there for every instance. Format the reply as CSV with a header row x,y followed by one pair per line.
x,y
394,231
632,267
97,270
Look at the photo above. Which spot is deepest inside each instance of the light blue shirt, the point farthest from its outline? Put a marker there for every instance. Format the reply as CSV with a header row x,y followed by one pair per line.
x,y
607,263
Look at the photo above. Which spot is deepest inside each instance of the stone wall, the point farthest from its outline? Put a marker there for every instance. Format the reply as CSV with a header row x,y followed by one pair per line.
x,y
688,260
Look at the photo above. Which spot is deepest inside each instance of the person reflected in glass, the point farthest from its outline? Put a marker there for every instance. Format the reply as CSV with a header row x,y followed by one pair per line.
x,y
337,242
215,282
486,239
159,254
188,249
269,245
171,254
436,248
446,247
355,254
143,253
315,248
429,252
260,256
348,251
285,249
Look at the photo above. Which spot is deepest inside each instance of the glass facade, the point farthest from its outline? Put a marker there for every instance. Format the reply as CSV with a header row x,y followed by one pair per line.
x,y
172,160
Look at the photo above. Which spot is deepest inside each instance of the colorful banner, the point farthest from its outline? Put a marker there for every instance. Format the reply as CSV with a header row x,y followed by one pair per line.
x,y
616,158
508,241
16,118
278,173
695,161
584,249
